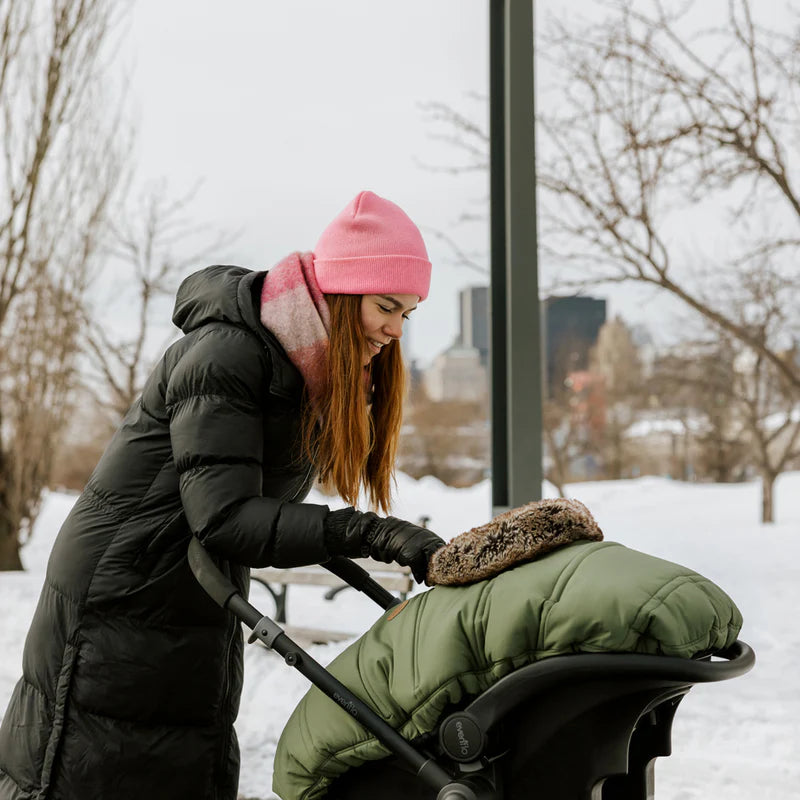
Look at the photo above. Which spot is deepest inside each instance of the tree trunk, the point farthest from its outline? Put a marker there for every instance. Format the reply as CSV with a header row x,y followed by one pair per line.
x,y
9,535
767,485
557,481
9,544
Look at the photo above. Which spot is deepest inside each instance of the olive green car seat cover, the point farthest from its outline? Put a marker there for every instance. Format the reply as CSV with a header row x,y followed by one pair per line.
x,y
450,643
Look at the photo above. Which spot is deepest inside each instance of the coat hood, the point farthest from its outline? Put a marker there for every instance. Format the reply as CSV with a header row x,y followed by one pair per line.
x,y
230,294
216,294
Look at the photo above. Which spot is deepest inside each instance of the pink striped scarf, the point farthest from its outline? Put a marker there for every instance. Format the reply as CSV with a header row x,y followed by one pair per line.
x,y
293,308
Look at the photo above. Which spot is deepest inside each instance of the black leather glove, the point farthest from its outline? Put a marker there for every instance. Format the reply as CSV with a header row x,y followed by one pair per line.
x,y
359,534
395,539
345,532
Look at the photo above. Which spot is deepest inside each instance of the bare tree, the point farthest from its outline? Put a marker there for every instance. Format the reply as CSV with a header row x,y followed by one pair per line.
x,y
768,407
615,360
447,439
40,367
152,244
692,384
572,411
467,143
650,120
745,411
653,120
564,433
61,160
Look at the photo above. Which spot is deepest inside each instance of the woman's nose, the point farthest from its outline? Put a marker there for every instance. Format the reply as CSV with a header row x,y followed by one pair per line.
x,y
394,328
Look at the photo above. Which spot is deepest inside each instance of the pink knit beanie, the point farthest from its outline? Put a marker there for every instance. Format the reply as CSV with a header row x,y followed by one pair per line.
x,y
372,247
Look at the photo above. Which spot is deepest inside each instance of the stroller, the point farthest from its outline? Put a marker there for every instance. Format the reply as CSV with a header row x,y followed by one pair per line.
x,y
574,727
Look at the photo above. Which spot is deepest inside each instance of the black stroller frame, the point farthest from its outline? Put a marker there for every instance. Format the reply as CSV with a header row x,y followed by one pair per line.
x,y
572,727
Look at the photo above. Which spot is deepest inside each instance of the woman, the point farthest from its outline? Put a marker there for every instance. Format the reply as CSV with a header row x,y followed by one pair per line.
x,y
131,674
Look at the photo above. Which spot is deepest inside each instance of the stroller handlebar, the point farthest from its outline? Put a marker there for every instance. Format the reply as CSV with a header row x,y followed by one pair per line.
x,y
208,574
220,588
361,580
223,592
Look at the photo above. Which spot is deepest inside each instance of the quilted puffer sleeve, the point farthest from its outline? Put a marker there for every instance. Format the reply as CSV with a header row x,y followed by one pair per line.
x,y
215,398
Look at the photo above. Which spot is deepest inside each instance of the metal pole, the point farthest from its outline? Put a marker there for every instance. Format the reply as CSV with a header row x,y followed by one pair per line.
x,y
524,353
516,336
497,293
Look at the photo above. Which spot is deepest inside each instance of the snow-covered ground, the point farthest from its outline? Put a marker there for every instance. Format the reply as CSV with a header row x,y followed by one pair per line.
x,y
734,740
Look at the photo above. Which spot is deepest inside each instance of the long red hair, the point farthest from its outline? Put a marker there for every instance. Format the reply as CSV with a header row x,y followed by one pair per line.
x,y
352,434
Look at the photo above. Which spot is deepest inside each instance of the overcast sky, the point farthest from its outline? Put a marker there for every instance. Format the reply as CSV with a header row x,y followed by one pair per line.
x,y
286,110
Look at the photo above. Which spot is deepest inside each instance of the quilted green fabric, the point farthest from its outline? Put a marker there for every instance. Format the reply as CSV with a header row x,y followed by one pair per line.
x,y
452,642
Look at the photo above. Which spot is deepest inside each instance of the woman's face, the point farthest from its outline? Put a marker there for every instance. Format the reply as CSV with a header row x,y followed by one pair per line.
x,y
382,317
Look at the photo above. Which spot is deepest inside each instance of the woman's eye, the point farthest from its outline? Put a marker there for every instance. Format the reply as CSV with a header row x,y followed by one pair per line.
x,y
406,316
387,310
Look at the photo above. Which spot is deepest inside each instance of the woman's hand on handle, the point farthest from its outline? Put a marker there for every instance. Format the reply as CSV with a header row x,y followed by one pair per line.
x,y
360,534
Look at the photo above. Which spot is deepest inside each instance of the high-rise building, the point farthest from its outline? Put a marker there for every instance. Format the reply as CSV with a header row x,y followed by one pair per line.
x,y
571,325
473,304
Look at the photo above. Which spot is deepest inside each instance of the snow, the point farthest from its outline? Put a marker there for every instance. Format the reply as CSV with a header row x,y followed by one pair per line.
x,y
651,427
734,740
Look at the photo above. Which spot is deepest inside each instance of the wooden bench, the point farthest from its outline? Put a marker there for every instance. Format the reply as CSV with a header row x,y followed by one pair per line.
x,y
392,577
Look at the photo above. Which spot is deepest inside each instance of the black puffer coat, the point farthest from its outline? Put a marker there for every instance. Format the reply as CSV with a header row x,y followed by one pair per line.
x,y
132,675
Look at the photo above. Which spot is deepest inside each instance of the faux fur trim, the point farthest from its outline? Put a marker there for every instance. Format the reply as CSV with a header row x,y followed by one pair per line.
x,y
511,538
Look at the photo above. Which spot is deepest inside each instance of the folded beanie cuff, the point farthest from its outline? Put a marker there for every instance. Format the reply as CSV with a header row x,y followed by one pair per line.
x,y
397,274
